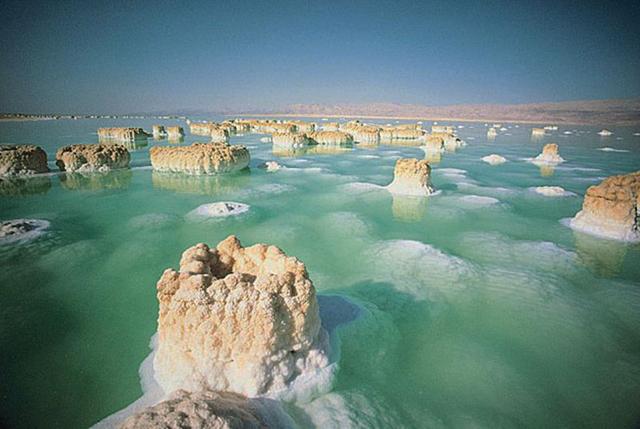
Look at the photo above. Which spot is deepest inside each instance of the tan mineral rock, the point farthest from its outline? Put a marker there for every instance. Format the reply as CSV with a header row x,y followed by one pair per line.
x,y
549,155
159,132
237,319
331,137
18,160
121,134
611,209
290,139
411,177
174,132
200,410
92,157
200,158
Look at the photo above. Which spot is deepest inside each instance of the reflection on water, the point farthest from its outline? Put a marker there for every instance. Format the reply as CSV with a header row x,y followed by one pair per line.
x,y
321,149
547,170
201,184
18,186
115,179
131,145
409,209
432,157
404,142
603,257
176,140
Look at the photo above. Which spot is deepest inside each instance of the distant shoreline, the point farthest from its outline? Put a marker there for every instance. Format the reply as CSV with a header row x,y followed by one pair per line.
x,y
433,118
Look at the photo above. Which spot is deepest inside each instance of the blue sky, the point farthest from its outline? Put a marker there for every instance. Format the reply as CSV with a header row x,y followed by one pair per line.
x,y
149,56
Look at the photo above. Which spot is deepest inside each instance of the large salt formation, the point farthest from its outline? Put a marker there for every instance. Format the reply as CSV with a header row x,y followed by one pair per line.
x,y
611,209
200,158
549,155
174,132
21,160
237,319
121,134
450,141
331,137
200,410
92,157
290,139
411,177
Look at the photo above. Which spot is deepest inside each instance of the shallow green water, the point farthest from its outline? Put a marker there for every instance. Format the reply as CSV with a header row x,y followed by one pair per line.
x,y
472,315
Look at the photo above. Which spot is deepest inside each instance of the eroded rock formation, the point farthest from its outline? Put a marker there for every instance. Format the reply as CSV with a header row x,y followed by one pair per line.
x,y
549,155
18,160
611,209
331,137
290,139
174,132
238,319
411,177
121,133
200,158
92,157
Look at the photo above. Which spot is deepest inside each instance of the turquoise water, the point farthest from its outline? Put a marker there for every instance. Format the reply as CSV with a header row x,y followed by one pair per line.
x,y
472,314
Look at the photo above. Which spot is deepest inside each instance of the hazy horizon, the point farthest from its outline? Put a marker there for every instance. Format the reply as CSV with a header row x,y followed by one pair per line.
x,y
147,57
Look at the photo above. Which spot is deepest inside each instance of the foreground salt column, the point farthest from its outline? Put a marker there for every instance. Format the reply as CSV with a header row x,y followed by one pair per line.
x,y
610,209
411,177
237,319
199,158
19,160
549,155
92,157
204,410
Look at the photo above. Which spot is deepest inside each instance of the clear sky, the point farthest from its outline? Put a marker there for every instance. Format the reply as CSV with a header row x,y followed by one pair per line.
x,y
135,56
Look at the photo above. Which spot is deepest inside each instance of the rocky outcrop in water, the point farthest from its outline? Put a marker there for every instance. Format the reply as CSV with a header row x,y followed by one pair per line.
x,y
21,229
611,209
158,132
200,410
411,177
121,133
92,157
331,137
290,139
174,132
200,158
549,155
238,319
18,160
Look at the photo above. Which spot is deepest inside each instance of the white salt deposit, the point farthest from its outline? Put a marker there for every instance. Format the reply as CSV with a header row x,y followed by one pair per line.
x,y
478,201
494,159
551,191
610,149
219,209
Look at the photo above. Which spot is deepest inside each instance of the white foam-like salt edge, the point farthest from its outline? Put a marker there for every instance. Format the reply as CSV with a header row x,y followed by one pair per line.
x,y
600,232
368,156
478,201
361,187
610,149
551,191
545,162
41,226
494,159
491,190
449,171
218,209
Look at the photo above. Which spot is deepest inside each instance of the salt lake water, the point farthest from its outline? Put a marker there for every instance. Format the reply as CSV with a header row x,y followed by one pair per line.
x,y
476,307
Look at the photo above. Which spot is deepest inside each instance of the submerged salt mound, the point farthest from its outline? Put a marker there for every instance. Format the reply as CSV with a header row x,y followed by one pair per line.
x,y
494,159
549,155
17,160
610,149
92,157
199,158
478,200
219,209
21,229
238,319
611,209
551,191
200,410
411,177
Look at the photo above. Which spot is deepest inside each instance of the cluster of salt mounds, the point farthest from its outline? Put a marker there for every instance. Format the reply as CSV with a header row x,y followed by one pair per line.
x,y
494,159
237,319
18,160
611,209
411,177
21,229
199,158
92,157
220,209
549,155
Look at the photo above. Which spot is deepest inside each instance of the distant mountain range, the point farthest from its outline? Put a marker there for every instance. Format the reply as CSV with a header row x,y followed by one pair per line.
x,y
594,112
